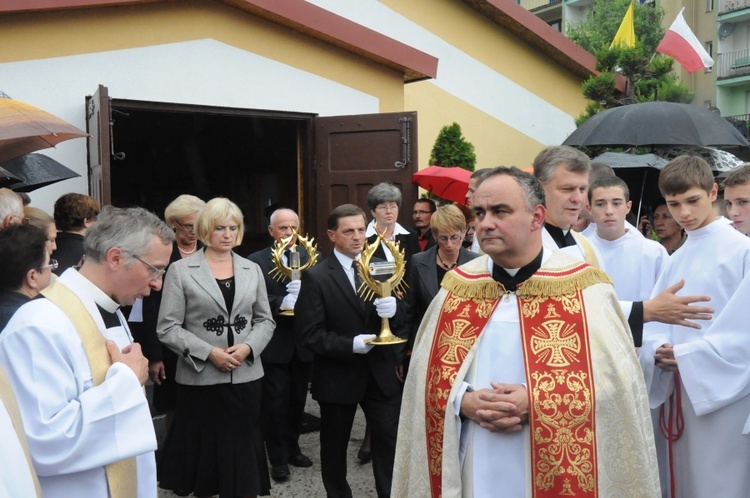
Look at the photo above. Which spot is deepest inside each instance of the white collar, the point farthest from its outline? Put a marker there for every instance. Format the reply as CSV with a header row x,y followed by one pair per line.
x,y
397,230
98,295
345,260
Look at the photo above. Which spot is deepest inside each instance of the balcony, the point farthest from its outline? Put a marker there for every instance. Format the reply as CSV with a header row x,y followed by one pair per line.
x,y
733,64
727,6
538,4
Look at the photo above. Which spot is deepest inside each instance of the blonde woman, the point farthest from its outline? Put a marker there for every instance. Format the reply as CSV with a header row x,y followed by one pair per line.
x,y
215,315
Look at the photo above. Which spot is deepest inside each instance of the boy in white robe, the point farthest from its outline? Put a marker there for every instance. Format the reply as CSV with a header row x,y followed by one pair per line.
x,y
686,370
633,262
737,198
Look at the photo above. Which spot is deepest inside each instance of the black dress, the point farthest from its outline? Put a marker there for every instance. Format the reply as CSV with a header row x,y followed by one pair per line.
x,y
215,445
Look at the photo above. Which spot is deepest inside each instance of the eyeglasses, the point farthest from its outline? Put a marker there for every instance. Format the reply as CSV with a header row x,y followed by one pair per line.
x,y
52,265
187,228
158,273
386,207
453,238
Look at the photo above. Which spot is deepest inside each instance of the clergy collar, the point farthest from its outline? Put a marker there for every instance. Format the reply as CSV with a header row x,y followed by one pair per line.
x,y
98,295
563,238
512,278
397,230
345,260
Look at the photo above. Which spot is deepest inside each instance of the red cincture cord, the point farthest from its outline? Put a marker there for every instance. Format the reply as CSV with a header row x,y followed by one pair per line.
x,y
671,425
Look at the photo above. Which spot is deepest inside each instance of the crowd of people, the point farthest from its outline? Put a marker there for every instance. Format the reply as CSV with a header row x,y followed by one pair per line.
x,y
551,347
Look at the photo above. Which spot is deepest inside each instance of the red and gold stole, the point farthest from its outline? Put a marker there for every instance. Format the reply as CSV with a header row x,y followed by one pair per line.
x,y
558,372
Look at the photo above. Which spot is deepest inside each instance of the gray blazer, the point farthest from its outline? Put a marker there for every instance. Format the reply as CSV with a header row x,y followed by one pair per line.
x,y
192,308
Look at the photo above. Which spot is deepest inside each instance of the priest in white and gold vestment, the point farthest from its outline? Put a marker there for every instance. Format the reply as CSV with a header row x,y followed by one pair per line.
x,y
523,379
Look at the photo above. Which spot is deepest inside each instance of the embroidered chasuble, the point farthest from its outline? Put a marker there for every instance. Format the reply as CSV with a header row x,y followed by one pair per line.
x,y
563,335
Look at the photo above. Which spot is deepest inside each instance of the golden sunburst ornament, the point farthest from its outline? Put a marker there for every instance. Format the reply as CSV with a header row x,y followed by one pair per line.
x,y
371,287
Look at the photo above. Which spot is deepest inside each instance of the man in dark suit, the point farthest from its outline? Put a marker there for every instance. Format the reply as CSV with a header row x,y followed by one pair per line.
x,y
422,214
286,365
333,322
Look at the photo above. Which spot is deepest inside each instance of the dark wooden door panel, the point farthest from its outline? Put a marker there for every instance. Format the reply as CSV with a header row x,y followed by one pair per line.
x,y
98,145
353,153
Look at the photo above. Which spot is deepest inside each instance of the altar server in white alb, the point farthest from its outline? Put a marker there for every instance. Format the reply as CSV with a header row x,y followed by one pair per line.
x,y
701,377
78,376
633,262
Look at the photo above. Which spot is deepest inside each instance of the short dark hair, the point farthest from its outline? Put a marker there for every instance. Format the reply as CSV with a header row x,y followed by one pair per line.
x,y
430,202
738,176
532,187
599,170
607,182
344,211
72,209
683,173
22,248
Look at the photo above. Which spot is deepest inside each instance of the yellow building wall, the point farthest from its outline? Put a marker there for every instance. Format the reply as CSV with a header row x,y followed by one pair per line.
x,y
495,142
54,34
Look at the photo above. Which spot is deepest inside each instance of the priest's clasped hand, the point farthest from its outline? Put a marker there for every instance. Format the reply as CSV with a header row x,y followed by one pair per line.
x,y
504,408
132,356
664,358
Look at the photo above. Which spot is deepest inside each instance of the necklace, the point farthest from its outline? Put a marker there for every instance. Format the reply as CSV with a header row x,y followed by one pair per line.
x,y
195,246
446,265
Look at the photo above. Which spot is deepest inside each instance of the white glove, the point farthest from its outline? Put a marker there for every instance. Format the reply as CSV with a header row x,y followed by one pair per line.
x,y
385,306
293,287
359,346
288,302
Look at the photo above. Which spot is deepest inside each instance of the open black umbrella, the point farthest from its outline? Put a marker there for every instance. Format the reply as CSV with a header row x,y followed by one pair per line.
x,y
7,178
34,171
656,124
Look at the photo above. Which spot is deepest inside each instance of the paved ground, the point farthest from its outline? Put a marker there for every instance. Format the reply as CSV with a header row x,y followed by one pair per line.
x,y
307,482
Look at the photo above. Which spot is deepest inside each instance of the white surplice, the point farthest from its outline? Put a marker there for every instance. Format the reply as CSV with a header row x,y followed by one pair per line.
x,y
633,263
16,476
73,428
578,251
711,458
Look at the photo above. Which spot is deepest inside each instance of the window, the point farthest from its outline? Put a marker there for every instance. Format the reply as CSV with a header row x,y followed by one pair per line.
x,y
709,5
709,45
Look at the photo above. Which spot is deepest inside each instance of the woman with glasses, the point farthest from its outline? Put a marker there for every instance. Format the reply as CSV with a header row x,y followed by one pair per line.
x,y
427,269
384,201
215,315
23,273
180,214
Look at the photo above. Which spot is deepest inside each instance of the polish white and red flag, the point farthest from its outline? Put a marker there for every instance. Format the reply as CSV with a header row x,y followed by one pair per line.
x,y
681,43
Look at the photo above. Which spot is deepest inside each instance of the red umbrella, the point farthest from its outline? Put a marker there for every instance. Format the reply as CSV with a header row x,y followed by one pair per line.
x,y
451,184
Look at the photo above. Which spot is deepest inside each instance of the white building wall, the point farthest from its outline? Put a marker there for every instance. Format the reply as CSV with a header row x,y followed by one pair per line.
x,y
463,76
203,72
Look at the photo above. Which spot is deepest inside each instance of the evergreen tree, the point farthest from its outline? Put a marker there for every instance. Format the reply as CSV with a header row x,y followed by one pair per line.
x,y
452,149
648,77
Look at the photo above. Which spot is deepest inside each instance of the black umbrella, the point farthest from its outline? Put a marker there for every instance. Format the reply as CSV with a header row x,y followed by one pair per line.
x,y
34,171
7,178
656,124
